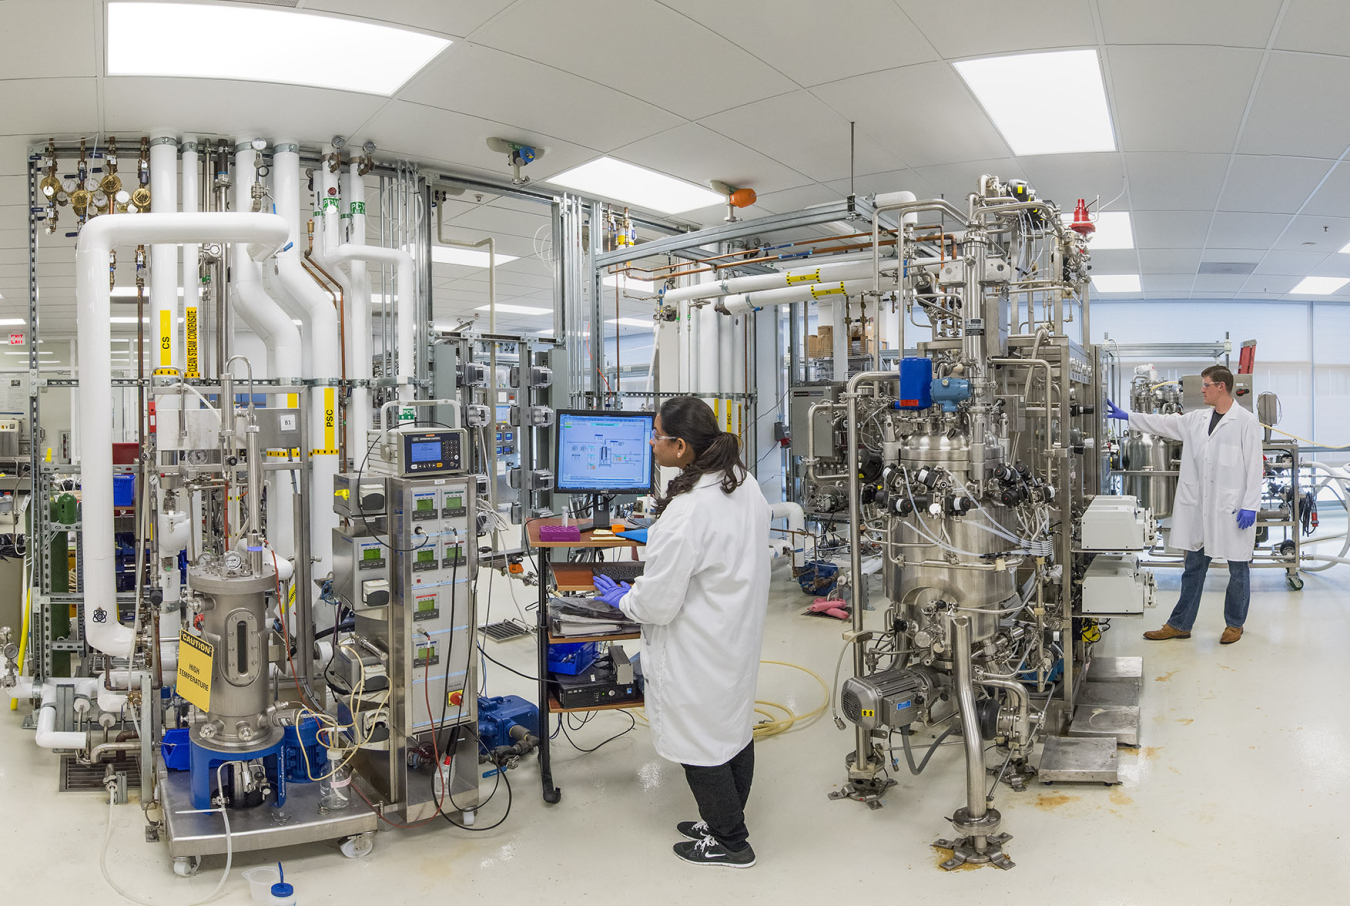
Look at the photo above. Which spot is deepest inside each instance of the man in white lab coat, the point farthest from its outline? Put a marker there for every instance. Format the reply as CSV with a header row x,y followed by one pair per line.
x,y
1218,495
701,603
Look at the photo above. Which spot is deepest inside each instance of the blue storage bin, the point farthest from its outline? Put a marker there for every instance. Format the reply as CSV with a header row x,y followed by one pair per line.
x,y
124,490
572,658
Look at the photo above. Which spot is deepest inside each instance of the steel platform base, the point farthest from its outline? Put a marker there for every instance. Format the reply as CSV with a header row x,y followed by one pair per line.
x,y
1117,670
1079,760
1118,722
265,827
1108,694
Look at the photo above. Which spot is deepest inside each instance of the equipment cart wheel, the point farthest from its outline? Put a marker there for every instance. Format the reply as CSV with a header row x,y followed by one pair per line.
x,y
1295,582
186,866
359,846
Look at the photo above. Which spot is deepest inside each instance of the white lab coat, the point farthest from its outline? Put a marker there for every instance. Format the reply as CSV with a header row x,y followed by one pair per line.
x,y
1221,473
701,603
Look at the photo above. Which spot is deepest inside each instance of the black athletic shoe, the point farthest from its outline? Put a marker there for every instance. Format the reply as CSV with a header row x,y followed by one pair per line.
x,y
709,852
694,830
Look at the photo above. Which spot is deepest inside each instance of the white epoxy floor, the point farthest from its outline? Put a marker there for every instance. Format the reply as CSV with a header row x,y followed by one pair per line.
x,y
1236,796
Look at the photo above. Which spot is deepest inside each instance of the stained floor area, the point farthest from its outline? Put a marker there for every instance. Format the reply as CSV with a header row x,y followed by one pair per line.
x,y
1235,796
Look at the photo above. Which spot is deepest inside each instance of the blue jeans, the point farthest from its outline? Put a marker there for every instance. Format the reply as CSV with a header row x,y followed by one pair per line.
x,y
1235,599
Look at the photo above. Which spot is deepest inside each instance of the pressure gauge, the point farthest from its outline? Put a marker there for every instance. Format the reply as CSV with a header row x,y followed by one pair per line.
x,y
91,184
69,186
99,199
259,144
123,197
62,199
50,186
233,561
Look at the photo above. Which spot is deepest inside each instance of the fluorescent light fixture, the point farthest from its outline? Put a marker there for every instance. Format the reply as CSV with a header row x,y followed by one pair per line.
x,y
129,292
631,322
1078,120
13,322
1318,286
636,185
1114,231
1116,283
125,319
449,254
260,45
504,309
1344,251
630,284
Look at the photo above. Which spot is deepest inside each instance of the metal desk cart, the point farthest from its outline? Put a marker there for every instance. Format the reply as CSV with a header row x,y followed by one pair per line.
x,y
568,577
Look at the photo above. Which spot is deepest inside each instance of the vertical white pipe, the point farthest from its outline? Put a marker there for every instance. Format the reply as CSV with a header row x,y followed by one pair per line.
x,y
709,353
167,355
837,317
358,320
93,310
330,203
192,290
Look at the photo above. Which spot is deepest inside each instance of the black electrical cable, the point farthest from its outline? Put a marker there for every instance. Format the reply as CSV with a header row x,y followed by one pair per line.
x,y
417,530
632,723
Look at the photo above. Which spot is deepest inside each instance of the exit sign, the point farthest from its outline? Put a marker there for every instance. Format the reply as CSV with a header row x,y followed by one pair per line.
x,y
17,339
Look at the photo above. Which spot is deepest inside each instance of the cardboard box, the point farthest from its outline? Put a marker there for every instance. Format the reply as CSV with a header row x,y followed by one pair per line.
x,y
812,346
826,335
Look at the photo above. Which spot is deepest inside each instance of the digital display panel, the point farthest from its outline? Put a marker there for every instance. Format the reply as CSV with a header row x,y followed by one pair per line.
x,y
604,452
424,451
425,504
370,553
427,556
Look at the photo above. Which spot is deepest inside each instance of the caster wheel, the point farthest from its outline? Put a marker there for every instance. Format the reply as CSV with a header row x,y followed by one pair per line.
x,y
1295,583
186,866
467,817
359,846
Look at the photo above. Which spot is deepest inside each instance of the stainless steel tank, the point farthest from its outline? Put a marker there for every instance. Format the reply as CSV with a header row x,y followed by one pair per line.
x,y
234,621
1150,453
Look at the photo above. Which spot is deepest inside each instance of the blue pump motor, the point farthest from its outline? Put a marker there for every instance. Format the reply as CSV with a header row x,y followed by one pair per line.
x,y
497,715
949,391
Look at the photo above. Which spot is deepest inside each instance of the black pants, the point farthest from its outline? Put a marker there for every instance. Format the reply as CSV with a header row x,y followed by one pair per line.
x,y
721,792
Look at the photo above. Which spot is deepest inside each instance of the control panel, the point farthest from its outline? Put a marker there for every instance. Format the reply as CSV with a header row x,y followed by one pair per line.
x,y
431,452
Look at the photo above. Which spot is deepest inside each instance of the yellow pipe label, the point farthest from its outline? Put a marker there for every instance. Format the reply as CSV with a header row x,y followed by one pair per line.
x,y
329,419
165,338
812,277
191,325
817,292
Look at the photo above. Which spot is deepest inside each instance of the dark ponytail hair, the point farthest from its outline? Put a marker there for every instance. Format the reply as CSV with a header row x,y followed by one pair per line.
x,y
692,421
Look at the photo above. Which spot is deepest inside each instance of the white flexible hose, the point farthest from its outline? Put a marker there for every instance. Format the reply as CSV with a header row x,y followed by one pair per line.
x,y
107,838
1342,479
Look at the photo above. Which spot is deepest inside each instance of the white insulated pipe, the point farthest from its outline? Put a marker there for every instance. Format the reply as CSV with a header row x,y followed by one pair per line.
x,y
168,355
747,302
192,289
358,318
264,234
405,270
329,204
843,267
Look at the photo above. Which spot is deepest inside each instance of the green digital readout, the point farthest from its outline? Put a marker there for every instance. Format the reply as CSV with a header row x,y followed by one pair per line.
x,y
426,556
370,553
425,504
426,604
454,503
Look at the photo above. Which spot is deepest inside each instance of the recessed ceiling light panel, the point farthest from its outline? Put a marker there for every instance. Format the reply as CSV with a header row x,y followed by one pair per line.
x,y
636,185
1011,90
631,322
1318,286
264,45
505,309
1116,283
449,254
1114,231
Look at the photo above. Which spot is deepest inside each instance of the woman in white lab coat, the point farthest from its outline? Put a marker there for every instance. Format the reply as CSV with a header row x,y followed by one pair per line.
x,y
701,603
1217,498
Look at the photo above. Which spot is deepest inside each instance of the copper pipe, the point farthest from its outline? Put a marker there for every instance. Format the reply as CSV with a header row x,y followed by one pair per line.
x,y
310,266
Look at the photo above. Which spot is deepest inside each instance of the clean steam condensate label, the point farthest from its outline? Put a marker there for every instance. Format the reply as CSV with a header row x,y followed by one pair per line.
x,y
194,669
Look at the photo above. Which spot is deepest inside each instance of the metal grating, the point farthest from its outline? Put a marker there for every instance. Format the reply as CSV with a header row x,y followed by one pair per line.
x,y
86,778
505,630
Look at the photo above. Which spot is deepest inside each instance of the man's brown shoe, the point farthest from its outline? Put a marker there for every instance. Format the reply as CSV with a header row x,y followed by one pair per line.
x,y
1171,632
1230,635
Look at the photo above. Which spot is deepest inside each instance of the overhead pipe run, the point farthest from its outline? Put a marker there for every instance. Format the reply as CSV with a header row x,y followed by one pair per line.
x,y
844,267
748,302
264,234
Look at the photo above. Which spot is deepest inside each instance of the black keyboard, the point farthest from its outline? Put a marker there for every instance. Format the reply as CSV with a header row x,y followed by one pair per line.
x,y
619,572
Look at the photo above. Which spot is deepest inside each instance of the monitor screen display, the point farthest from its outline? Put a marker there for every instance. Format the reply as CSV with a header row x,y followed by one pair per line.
x,y
425,451
604,452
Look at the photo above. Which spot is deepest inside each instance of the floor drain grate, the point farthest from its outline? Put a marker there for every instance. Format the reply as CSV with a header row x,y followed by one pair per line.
x,y
504,630
84,778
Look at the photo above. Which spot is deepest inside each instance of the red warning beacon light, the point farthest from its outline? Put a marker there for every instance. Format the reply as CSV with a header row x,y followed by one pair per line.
x,y
1082,225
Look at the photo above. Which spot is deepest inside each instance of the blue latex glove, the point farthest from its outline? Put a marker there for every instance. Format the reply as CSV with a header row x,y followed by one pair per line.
x,y
607,590
1112,411
1246,518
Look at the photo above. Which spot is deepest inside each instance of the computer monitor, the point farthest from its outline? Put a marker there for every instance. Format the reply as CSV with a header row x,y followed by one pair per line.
x,y
603,452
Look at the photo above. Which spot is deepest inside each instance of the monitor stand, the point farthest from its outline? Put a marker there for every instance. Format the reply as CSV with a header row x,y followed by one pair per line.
x,y
600,517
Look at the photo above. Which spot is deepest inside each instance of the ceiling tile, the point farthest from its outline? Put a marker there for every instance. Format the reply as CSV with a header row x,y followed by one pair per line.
x,y
49,107
821,152
980,27
1180,98
791,200
1168,261
1231,23
1246,231
862,36
1170,285
1295,113
953,127
221,107
1065,178
1175,181
503,221
955,181
1333,266
571,108
1270,284
1315,234
1289,263
1228,256
718,76
1333,198
1115,261
893,181
697,154
449,17
1169,229
1273,185
49,39
1318,26
1219,283
442,137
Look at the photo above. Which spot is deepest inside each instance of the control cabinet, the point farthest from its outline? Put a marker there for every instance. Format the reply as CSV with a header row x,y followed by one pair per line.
x,y
425,631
